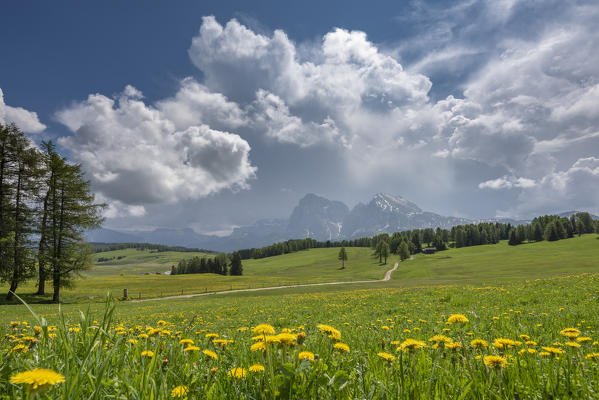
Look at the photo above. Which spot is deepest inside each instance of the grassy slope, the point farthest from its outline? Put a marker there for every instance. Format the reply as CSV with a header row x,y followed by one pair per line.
x,y
501,263
493,265
311,266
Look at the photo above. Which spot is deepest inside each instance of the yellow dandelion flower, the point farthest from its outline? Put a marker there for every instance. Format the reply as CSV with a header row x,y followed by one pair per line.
x,y
238,372
222,342
259,346
306,355
38,378
180,391
592,356
440,339
256,368
211,335
457,319
584,339
524,337
20,348
341,347
288,339
479,344
185,341
574,345
210,354
453,345
132,341
495,362
570,333
502,343
553,350
191,348
142,336
263,329
544,353
386,356
147,353
329,331
411,345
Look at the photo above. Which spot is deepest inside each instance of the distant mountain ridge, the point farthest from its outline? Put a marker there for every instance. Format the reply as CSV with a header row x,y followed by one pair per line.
x,y
315,217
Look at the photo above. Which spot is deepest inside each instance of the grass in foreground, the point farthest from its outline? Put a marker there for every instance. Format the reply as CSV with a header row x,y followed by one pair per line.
x,y
378,343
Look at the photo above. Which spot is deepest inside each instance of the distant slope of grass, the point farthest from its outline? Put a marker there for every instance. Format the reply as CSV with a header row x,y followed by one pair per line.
x,y
492,264
308,266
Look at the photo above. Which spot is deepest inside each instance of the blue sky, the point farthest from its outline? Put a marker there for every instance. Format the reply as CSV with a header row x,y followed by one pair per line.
x,y
213,115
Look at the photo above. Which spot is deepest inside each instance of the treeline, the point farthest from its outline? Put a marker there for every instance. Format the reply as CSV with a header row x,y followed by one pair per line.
x,y
410,242
553,227
291,246
221,264
45,205
103,247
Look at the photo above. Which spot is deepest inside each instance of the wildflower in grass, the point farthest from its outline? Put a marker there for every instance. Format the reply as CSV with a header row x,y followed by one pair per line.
x,y
210,354
256,368
495,362
142,336
439,341
211,335
553,350
453,345
329,331
544,353
185,341
479,344
154,332
147,353
592,356
37,379
531,343
457,319
306,355
242,329
238,372
263,329
222,342
502,343
259,346
37,329
411,345
386,356
524,337
287,338
301,338
180,392
341,347
191,348
574,345
15,324
584,339
20,348
570,333
132,341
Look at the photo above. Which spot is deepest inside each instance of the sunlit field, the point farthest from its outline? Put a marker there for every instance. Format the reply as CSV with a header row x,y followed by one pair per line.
x,y
535,339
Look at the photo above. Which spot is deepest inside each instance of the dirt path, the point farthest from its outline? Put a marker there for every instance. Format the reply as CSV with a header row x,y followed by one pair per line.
x,y
186,296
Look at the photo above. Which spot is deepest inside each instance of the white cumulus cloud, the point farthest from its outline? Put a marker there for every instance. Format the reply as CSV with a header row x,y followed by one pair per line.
x,y
27,121
138,154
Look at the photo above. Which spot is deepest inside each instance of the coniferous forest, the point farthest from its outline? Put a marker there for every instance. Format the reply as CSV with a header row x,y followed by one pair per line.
x,y
45,206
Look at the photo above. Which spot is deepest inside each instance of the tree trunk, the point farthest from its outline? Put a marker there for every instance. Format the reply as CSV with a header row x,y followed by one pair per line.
x,y
56,284
11,291
41,285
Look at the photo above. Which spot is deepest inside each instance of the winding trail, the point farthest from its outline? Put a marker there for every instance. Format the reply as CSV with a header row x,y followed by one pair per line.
x,y
186,296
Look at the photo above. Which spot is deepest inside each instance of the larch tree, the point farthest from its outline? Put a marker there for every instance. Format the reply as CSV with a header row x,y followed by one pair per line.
x,y
342,257
19,179
69,210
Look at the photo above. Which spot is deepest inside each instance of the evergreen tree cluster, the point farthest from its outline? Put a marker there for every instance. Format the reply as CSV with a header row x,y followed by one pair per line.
x,y
158,248
45,205
291,246
221,264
